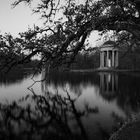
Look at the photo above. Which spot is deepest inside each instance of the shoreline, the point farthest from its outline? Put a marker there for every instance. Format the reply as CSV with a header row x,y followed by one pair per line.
x,y
128,131
104,70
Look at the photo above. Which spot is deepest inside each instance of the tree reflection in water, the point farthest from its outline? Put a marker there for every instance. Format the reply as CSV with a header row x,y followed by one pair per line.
x,y
47,117
124,88
53,116
12,77
114,88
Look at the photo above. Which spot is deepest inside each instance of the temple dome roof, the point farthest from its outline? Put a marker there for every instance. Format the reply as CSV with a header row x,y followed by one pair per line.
x,y
109,42
109,45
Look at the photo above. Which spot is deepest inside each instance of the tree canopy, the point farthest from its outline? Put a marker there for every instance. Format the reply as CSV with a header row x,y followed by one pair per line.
x,y
68,23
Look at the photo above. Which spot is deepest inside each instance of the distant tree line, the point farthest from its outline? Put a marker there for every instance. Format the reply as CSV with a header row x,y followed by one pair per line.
x,y
129,58
86,61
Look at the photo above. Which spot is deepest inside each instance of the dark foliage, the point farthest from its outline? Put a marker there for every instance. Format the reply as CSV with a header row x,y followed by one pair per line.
x,y
67,26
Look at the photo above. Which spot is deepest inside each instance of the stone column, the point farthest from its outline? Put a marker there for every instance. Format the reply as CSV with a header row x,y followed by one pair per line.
x,y
117,61
113,58
100,59
107,57
103,59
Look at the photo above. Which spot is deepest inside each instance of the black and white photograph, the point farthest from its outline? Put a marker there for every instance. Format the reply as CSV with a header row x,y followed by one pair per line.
x,y
69,69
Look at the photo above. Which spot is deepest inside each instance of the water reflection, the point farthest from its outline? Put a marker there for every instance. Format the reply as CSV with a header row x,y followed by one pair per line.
x,y
14,77
122,88
108,85
128,97
72,106
115,96
46,118
76,82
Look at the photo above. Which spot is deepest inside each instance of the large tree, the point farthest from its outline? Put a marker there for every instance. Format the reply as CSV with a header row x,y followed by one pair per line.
x,y
68,23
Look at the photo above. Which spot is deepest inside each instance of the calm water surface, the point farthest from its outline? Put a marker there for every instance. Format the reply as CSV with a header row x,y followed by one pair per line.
x,y
103,99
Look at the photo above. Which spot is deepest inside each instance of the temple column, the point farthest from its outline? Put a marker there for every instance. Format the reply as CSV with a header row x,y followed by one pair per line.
x,y
100,59
103,59
116,59
107,58
113,59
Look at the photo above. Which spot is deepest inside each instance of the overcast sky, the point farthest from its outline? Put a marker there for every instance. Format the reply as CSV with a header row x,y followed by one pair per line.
x,y
18,19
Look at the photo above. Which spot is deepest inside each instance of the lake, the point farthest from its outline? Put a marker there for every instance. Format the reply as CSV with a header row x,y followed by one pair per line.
x,y
85,105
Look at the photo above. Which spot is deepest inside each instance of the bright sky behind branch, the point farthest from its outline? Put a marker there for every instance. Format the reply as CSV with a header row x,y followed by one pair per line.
x,y
18,19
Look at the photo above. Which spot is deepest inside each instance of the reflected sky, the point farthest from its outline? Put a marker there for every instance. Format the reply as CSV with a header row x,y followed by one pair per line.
x,y
113,94
104,98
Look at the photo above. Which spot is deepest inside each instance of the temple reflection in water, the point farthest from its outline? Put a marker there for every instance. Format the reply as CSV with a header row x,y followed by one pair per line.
x,y
108,84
